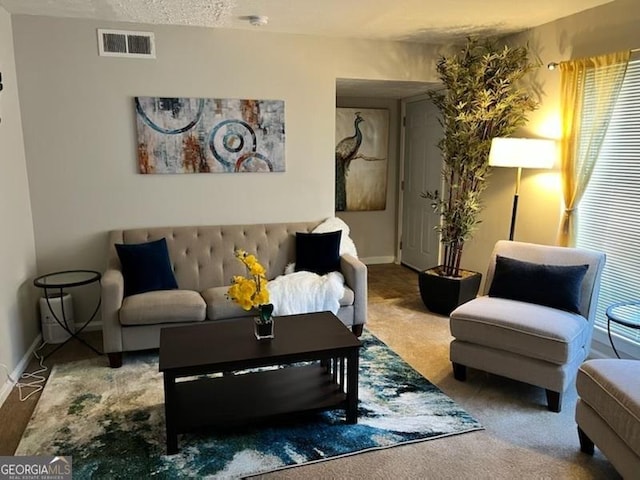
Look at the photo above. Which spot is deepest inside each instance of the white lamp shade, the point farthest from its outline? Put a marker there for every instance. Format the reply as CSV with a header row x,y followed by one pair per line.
x,y
522,152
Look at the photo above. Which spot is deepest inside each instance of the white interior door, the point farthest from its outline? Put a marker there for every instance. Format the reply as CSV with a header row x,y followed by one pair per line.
x,y
422,172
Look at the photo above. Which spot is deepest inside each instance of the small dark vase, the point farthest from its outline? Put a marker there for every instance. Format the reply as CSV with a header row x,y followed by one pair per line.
x,y
263,323
263,331
442,294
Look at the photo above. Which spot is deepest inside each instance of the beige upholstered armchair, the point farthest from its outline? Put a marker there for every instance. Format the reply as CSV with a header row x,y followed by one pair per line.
x,y
534,323
608,411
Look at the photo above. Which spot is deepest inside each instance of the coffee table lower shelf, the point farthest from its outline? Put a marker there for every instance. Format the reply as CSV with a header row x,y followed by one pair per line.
x,y
232,399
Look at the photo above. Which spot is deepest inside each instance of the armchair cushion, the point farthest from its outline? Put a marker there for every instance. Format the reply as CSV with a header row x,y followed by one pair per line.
x,y
556,286
531,330
146,267
318,252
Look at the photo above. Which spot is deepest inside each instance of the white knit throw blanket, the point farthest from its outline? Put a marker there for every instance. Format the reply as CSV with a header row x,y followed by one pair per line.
x,y
304,292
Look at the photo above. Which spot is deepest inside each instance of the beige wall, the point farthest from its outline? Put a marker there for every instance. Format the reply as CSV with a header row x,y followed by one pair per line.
x,y
611,27
80,132
374,233
18,319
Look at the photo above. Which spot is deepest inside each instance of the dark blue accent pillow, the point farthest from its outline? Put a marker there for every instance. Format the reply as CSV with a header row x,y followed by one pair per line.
x,y
318,252
556,286
146,267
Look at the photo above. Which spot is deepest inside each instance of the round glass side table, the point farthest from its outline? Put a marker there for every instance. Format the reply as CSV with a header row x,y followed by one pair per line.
x,y
623,313
54,284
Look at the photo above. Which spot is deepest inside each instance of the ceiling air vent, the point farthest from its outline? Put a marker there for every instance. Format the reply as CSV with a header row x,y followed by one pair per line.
x,y
124,43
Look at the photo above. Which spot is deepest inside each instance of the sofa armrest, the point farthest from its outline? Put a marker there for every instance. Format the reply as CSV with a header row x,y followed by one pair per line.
x,y
112,294
355,276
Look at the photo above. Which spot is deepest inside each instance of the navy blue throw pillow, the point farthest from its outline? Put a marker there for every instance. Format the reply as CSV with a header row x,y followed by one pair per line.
x,y
146,267
318,252
556,286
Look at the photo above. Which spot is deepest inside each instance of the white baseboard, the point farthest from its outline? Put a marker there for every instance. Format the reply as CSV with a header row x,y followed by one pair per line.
x,y
378,260
19,370
600,350
601,347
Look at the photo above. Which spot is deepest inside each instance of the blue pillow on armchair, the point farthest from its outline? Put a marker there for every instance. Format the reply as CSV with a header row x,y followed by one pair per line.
x,y
146,267
556,286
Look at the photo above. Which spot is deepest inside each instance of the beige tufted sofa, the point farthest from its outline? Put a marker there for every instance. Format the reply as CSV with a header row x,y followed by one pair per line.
x,y
203,262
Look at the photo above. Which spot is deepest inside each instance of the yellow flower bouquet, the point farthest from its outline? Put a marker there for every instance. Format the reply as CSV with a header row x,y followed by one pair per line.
x,y
250,291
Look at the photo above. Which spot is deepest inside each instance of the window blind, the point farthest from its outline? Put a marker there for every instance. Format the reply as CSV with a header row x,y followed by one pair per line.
x,y
609,213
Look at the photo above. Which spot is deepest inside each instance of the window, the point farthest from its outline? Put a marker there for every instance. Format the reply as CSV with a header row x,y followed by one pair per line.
x,y
609,213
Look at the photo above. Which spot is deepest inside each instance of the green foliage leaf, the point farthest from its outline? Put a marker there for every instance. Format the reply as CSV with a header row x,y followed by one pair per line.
x,y
483,99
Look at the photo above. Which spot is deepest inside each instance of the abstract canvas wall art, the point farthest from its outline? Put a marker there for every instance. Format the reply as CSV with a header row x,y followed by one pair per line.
x,y
361,158
209,135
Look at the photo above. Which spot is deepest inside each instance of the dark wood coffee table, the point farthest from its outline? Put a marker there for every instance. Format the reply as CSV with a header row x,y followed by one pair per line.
x,y
227,346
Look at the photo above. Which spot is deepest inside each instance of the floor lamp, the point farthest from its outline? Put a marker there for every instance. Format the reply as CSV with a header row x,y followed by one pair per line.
x,y
521,153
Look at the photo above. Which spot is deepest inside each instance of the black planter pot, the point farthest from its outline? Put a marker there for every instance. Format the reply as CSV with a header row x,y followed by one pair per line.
x,y
443,294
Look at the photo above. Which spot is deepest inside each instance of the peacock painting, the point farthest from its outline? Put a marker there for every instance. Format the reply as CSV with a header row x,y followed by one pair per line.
x,y
362,137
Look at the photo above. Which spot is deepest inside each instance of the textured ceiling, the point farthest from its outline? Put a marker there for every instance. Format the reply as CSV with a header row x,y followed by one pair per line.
x,y
433,21
427,21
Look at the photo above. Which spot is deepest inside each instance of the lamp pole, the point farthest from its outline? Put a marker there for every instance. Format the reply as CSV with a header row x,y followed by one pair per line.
x,y
514,210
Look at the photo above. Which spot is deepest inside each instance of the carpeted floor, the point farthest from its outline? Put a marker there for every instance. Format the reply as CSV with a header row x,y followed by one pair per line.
x,y
522,438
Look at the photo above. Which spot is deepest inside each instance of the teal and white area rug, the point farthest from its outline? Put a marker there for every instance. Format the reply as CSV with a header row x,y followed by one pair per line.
x,y
111,421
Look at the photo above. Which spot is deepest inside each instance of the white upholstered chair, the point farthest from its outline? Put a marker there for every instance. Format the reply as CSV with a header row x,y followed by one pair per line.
x,y
608,411
530,342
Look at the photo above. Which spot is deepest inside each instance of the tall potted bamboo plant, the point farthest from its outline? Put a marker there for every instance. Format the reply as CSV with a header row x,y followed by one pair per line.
x,y
482,98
